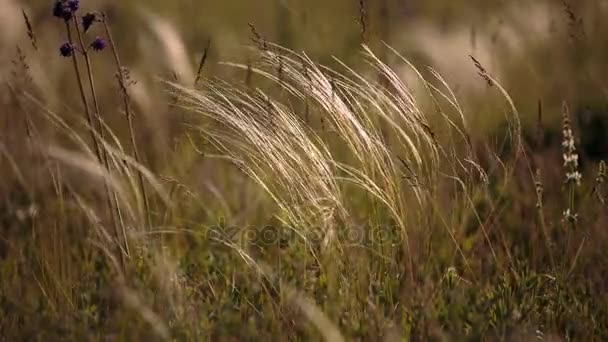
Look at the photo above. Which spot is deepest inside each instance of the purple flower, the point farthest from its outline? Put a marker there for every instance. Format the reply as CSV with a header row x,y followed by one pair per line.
x,y
98,44
74,5
67,14
66,49
88,20
65,10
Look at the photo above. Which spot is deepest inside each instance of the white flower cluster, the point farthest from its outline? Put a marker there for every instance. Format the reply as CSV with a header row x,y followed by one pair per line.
x,y
570,216
571,159
574,177
570,155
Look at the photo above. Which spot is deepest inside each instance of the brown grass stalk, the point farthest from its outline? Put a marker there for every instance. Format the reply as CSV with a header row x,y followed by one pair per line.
x,y
120,75
115,213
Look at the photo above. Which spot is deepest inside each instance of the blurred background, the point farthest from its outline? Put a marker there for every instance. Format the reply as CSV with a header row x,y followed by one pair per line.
x,y
543,52
551,50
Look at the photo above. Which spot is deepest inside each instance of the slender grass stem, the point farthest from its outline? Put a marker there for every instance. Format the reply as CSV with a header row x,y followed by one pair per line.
x,y
541,217
129,114
116,215
83,96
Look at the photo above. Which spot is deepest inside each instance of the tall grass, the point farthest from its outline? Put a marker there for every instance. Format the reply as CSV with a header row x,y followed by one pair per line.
x,y
308,202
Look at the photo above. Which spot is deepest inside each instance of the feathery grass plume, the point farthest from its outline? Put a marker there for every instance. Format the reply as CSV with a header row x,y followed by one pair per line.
x,y
315,182
306,100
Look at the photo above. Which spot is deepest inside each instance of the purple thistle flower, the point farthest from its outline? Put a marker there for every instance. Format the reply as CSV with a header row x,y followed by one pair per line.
x,y
74,5
88,20
66,49
64,10
67,14
98,44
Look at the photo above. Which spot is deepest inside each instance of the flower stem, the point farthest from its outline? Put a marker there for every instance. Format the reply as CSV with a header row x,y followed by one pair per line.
x,y
83,96
102,155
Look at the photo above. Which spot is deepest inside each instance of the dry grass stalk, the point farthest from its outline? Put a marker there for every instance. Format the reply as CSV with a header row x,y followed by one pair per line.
x,y
122,83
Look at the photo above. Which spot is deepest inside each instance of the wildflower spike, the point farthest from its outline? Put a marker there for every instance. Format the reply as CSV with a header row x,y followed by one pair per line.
x,y
570,155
